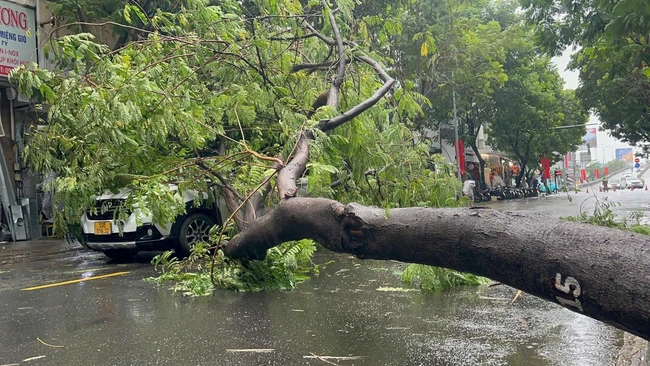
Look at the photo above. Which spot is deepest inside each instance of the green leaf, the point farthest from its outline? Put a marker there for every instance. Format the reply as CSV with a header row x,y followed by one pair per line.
x,y
127,13
646,71
143,18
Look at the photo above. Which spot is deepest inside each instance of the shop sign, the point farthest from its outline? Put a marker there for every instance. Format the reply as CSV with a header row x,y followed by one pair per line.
x,y
470,156
17,36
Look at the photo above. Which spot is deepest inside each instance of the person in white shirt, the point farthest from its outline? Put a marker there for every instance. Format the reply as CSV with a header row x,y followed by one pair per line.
x,y
468,188
497,181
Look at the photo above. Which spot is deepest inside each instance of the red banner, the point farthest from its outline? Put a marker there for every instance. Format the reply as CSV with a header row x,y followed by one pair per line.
x,y
460,153
546,168
566,161
583,174
606,172
597,173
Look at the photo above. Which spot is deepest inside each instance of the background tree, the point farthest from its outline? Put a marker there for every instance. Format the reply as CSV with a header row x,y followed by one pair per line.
x,y
531,110
477,73
612,58
449,47
615,84
93,16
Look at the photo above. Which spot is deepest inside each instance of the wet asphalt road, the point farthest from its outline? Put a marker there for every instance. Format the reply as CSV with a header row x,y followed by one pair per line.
x,y
125,320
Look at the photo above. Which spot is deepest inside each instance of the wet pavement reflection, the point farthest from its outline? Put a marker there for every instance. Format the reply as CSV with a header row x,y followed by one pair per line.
x,y
125,320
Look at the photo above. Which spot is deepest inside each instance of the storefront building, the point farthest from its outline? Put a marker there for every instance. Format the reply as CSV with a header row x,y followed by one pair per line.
x,y
20,212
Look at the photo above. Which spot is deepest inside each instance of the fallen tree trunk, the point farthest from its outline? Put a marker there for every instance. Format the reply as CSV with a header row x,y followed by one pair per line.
x,y
599,272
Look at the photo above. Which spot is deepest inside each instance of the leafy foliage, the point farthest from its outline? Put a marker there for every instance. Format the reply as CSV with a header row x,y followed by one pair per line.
x,y
283,268
430,278
206,96
463,74
615,83
603,215
85,15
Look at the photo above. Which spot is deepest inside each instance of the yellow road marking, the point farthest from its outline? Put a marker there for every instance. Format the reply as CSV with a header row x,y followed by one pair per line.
x,y
75,281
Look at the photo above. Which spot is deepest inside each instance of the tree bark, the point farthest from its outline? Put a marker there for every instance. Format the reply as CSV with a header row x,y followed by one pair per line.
x,y
521,175
481,165
599,272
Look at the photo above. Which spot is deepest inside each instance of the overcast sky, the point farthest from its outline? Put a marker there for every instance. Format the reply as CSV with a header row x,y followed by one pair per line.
x,y
570,77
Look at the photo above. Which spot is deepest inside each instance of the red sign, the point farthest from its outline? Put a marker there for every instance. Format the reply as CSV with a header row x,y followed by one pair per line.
x,y
558,173
17,36
546,168
13,18
637,160
460,153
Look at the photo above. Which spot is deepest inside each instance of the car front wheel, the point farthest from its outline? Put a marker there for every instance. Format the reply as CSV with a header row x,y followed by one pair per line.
x,y
195,229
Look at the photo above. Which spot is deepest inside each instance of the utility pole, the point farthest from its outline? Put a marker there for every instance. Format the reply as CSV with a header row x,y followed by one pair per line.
x,y
575,178
457,147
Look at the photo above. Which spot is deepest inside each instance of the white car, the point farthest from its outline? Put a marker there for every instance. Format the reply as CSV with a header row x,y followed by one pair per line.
x,y
102,233
630,182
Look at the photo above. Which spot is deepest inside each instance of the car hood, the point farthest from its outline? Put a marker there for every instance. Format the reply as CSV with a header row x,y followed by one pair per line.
x,y
125,192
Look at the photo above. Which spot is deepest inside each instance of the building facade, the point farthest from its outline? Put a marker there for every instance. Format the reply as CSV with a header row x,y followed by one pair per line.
x,y
20,213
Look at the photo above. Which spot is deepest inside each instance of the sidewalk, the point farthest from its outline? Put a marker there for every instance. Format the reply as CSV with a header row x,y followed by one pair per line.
x,y
36,250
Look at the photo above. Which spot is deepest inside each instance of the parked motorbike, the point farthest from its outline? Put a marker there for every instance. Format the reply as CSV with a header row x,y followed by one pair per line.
x,y
482,195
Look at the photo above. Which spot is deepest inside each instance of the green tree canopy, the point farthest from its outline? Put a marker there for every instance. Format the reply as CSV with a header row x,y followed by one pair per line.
x,y
452,48
531,111
612,59
93,16
212,98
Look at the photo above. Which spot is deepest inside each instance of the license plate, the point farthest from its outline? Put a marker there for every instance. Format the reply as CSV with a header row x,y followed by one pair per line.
x,y
103,228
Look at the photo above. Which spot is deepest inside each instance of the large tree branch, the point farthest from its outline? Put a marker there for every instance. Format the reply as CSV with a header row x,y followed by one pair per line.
x,y
327,125
326,39
319,66
596,271
333,97
293,170
296,166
